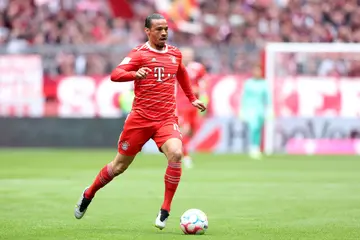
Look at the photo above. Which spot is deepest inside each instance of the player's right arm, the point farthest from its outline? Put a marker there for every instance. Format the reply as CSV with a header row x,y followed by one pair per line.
x,y
130,69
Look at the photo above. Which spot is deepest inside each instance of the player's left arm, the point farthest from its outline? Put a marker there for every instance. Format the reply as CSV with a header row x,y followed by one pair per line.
x,y
184,81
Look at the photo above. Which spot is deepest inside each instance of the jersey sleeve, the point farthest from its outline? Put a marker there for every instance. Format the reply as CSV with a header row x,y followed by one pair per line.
x,y
126,70
184,81
132,62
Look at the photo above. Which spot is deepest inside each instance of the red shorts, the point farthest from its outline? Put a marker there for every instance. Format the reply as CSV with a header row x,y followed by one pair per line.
x,y
188,117
138,130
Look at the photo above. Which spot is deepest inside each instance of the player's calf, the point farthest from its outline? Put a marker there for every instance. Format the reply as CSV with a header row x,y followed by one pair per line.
x,y
106,175
173,152
121,164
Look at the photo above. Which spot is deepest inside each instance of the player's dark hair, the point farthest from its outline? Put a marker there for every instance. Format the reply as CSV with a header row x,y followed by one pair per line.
x,y
149,18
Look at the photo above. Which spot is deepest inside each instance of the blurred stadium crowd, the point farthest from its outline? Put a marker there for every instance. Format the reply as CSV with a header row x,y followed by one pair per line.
x,y
228,34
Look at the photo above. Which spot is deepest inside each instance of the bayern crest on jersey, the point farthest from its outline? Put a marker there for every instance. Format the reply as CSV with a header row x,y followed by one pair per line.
x,y
173,59
124,145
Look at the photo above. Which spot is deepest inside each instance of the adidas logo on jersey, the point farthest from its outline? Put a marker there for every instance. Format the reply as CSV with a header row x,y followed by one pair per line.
x,y
153,59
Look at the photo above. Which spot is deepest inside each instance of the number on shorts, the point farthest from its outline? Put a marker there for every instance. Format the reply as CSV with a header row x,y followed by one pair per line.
x,y
176,128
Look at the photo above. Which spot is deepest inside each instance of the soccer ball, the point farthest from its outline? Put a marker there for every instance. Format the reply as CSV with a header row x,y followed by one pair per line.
x,y
194,221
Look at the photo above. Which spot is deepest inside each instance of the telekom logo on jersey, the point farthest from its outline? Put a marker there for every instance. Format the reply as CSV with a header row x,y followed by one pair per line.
x,y
159,73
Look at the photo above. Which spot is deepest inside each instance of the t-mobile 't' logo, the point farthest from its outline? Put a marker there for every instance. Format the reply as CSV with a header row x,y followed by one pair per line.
x,y
159,73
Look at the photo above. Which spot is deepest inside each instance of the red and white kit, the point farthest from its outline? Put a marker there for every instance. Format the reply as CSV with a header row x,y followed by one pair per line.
x,y
154,109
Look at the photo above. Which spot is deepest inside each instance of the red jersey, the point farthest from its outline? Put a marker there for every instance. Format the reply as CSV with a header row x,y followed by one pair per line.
x,y
155,95
196,72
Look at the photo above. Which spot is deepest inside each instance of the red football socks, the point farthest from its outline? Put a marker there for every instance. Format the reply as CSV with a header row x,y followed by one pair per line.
x,y
104,177
171,179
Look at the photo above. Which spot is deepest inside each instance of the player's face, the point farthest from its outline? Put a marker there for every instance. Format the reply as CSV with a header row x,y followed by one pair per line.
x,y
158,33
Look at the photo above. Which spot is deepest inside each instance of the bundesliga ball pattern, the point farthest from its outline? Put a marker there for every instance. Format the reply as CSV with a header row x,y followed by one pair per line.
x,y
194,221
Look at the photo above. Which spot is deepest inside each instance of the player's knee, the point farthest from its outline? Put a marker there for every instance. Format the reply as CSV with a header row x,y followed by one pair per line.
x,y
175,155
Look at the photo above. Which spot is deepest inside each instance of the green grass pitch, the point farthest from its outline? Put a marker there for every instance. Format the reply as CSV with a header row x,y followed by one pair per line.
x,y
281,197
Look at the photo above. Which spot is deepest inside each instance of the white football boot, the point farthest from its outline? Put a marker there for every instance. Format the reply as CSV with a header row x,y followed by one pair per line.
x,y
161,219
81,206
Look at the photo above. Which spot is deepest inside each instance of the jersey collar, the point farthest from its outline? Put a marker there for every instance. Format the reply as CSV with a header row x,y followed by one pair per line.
x,y
155,50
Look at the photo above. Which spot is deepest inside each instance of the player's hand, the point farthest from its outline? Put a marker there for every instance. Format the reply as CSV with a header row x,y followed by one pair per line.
x,y
199,104
142,72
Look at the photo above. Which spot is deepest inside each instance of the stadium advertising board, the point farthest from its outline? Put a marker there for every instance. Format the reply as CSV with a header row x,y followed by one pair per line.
x,y
316,108
230,135
21,86
293,97
87,97
324,146
317,97
306,107
96,96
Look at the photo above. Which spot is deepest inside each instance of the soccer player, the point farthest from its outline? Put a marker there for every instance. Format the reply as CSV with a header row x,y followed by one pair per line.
x,y
188,115
255,104
155,67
